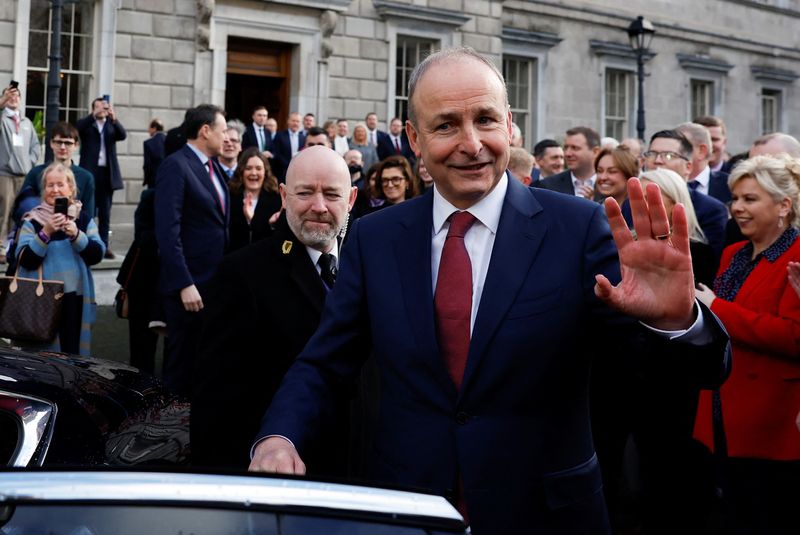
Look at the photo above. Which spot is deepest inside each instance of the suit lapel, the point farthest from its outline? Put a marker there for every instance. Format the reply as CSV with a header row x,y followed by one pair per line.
x,y
412,250
201,173
301,270
519,236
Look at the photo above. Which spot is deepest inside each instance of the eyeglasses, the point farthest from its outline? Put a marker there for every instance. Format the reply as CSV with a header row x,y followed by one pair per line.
x,y
394,181
62,142
666,155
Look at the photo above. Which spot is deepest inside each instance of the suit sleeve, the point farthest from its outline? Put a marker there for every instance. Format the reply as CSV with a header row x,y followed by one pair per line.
x,y
87,195
170,184
82,124
330,362
119,131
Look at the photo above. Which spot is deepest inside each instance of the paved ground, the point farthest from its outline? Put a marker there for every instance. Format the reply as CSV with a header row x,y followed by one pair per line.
x,y
110,338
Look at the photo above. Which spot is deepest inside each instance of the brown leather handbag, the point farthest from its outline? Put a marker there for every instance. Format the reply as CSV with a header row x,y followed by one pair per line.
x,y
30,309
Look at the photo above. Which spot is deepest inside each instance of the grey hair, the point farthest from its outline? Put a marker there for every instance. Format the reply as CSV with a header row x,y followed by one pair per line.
x,y
788,143
58,166
447,54
779,175
673,185
697,134
236,124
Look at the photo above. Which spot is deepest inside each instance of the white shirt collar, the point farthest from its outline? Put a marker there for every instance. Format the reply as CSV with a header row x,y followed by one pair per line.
x,y
486,210
703,178
314,254
575,179
12,113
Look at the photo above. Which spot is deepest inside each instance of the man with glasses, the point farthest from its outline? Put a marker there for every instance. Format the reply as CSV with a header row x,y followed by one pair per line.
x,y
671,150
231,148
64,140
19,150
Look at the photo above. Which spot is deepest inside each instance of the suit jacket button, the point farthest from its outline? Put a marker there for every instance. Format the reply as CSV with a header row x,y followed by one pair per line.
x,y
462,418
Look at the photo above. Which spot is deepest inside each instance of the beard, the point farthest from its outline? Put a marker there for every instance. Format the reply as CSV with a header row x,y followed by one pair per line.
x,y
314,237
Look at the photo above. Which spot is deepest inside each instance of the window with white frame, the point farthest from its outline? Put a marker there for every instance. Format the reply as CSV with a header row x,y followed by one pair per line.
x,y
618,103
410,52
518,74
76,59
770,110
702,98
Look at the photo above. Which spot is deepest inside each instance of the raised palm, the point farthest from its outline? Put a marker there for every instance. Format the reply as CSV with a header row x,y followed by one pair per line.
x,y
657,284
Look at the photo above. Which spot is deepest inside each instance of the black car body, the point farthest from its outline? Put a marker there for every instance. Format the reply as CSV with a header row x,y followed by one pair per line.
x,y
62,410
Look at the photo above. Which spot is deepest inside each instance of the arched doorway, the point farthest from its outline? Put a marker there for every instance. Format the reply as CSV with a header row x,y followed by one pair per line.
x,y
258,73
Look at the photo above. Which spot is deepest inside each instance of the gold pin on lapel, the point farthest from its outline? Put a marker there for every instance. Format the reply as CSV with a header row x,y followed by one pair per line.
x,y
287,247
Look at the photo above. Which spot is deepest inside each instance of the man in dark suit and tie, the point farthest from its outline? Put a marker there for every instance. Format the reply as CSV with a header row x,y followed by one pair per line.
x,y
191,208
100,132
395,142
153,152
256,133
286,145
702,179
482,346
581,147
263,306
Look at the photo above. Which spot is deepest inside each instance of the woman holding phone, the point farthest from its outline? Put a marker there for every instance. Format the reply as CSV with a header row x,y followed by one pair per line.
x,y
64,241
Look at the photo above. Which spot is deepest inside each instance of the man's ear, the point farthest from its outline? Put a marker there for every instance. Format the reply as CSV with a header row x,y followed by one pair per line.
x,y
352,200
411,133
282,189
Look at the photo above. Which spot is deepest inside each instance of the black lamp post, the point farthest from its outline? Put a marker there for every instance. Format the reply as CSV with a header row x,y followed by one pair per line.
x,y
54,72
641,34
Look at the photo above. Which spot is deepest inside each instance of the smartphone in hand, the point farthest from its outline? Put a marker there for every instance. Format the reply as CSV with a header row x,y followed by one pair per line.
x,y
61,205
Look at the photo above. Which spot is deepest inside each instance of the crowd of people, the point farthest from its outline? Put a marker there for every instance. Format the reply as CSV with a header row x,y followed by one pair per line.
x,y
477,341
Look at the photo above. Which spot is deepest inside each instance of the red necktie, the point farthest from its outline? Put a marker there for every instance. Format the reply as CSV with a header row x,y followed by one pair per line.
x,y
397,146
453,299
214,185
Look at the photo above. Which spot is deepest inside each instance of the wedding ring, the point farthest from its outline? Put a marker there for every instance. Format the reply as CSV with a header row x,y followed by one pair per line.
x,y
663,236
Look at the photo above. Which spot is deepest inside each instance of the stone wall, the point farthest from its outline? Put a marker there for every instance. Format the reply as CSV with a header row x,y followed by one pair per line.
x,y
7,31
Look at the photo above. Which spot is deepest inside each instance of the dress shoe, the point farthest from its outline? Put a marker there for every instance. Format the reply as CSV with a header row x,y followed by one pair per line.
x,y
109,254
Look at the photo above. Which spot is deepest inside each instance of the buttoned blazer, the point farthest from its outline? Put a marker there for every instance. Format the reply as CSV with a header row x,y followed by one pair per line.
x,y
250,139
282,152
760,400
113,131
191,226
560,182
517,432
386,148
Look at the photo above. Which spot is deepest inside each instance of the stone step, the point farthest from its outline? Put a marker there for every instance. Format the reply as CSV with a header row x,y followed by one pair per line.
x,y
122,213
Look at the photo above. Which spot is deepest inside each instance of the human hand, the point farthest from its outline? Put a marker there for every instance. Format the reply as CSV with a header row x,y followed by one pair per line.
x,y
704,294
190,297
71,229
273,219
267,154
6,96
794,276
657,284
248,207
278,456
587,192
111,114
56,223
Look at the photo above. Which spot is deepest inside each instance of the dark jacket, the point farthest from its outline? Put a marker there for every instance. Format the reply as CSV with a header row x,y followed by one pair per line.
x,y
113,131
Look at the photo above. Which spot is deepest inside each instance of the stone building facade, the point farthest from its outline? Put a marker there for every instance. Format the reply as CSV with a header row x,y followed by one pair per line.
x,y
567,62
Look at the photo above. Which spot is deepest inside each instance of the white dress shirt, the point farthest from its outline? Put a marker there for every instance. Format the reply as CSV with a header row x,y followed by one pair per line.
x,y
101,157
577,183
260,135
702,179
397,141
479,239
294,141
314,254
341,144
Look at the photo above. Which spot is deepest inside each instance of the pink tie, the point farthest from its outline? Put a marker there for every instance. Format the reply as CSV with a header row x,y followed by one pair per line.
x,y
219,194
16,122
397,145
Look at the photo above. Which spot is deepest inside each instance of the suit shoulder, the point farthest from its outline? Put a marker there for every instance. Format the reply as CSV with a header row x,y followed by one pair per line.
x,y
553,182
561,204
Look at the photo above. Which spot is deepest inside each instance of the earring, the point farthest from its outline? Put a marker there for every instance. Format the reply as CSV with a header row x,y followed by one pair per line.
x,y
780,222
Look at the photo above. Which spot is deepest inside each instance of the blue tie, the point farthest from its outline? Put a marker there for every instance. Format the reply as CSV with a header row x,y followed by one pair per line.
x,y
693,184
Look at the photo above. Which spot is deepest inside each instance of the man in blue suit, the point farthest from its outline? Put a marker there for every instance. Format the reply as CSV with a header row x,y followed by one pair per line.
x,y
192,207
395,142
286,144
482,344
99,133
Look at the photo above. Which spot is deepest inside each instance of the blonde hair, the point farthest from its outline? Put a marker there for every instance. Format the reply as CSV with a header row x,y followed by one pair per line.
x,y
778,175
58,166
674,186
366,132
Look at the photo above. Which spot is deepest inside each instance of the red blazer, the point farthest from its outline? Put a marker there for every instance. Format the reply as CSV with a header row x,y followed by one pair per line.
x,y
762,395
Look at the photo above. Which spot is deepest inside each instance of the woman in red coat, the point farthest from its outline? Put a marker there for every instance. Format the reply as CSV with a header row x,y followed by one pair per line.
x,y
761,311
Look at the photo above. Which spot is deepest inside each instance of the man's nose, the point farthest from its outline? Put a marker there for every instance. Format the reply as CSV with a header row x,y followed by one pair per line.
x,y
471,140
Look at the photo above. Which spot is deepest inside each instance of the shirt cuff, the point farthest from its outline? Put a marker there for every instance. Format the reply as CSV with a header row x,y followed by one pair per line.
x,y
697,334
253,449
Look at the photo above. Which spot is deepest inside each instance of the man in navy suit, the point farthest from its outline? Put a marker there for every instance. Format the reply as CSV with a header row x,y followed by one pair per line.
x,y
481,345
192,207
256,133
395,142
702,179
100,132
581,147
153,152
286,144
671,149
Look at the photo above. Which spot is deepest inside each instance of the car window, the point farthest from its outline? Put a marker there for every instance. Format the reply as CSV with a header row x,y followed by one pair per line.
x,y
303,525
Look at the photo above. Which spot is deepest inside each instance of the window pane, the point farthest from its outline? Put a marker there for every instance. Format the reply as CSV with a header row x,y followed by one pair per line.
x,y
618,102
40,15
38,49
410,51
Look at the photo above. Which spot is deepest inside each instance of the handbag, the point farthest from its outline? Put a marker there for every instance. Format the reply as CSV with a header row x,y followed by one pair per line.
x,y
30,309
121,299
